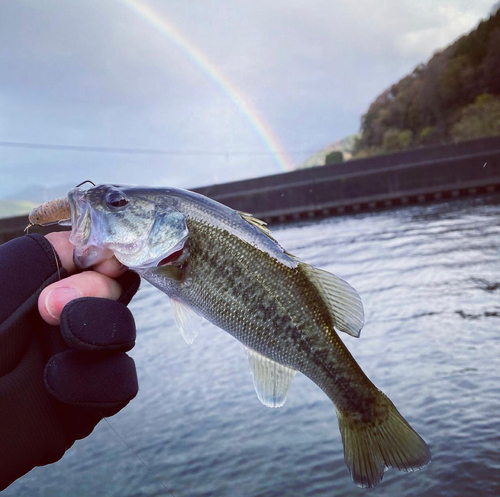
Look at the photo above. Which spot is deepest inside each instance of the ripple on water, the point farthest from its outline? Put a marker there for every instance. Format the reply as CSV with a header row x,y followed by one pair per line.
x,y
429,278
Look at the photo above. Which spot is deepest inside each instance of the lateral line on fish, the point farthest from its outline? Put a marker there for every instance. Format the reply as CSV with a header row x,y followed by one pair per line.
x,y
139,457
344,388
278,301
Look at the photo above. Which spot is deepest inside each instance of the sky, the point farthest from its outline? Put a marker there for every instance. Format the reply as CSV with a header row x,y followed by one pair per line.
x,y
194,92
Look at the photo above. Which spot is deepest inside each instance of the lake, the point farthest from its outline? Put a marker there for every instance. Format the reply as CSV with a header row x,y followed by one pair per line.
x,y
429,277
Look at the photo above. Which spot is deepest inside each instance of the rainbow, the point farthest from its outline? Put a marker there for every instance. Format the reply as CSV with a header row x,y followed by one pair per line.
x,y
243,105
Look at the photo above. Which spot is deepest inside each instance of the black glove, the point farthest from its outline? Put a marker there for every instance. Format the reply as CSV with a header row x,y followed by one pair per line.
x,y
56,383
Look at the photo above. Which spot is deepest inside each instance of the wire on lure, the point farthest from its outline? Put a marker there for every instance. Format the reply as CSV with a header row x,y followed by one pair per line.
x,y
52,212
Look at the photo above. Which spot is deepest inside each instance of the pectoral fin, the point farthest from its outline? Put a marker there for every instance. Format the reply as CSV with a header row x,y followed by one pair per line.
x,y
271,380
186,320
343,301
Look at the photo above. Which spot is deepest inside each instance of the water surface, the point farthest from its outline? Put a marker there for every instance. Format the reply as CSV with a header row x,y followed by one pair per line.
x,y
429,277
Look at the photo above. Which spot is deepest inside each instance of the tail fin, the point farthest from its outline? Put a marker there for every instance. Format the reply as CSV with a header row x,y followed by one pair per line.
x,y
387,441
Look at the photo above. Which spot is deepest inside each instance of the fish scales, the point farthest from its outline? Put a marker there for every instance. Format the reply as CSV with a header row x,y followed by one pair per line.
x,y
240,289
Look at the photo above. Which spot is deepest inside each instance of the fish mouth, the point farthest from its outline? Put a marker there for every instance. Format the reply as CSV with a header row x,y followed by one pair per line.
x,y
84,232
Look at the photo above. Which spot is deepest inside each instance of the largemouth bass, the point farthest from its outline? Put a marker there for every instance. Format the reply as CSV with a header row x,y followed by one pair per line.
x,y
225,266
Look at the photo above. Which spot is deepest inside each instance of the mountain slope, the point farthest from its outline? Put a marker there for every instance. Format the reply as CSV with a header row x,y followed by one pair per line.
x,y
427,106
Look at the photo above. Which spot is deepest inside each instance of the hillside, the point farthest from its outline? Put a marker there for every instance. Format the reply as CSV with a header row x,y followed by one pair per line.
x,y
346,146
455,96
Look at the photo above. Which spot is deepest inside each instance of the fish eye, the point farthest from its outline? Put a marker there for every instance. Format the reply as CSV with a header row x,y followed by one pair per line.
x,y
116,199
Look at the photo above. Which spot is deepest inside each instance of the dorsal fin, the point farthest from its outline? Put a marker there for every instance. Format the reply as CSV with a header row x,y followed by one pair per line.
x,y
262,227
344,303
258,223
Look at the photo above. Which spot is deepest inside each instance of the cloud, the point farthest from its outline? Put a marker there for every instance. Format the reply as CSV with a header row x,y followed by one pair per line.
x,y
94,72
452,22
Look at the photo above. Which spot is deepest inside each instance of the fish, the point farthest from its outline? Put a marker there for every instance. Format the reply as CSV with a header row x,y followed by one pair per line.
x,y
225,266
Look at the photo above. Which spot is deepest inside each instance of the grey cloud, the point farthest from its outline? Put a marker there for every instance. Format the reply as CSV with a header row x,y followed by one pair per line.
x,y
94,72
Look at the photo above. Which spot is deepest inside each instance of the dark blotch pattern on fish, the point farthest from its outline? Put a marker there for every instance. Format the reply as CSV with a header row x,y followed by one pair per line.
x,y
273,309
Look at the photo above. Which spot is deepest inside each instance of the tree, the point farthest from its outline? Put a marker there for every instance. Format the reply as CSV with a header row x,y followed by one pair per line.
x,y
334,157
482,118
432,104
430,135
396,141
491,64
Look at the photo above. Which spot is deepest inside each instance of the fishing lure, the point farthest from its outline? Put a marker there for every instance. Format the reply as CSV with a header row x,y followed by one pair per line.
x,y
56,211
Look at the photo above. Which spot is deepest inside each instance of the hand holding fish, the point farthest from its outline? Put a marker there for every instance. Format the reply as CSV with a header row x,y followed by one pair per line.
x,y
101,282
57,381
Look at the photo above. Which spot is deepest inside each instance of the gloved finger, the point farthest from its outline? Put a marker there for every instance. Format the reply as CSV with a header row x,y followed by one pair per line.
x,y
95,324
87,284
130,283
64,249
27,264
87,380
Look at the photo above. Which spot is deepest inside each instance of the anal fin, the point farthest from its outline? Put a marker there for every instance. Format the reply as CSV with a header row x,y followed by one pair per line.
x,y
271,379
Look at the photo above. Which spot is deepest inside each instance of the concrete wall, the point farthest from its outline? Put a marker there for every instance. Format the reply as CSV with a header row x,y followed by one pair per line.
x,y
416,156
425,174
421,175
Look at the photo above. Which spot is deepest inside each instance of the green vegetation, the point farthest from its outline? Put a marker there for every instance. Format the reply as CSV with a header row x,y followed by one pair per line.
x,y
482,118
334,157
344,146
455,96
396,140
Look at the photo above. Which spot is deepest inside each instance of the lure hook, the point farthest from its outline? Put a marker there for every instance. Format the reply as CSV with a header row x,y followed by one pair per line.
x,y
83,182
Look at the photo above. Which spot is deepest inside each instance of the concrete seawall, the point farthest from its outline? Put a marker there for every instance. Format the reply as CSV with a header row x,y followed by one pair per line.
x,y
415,176
421,175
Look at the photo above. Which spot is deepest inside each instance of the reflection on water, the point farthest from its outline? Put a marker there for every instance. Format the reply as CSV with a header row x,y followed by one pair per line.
x,y
429,277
